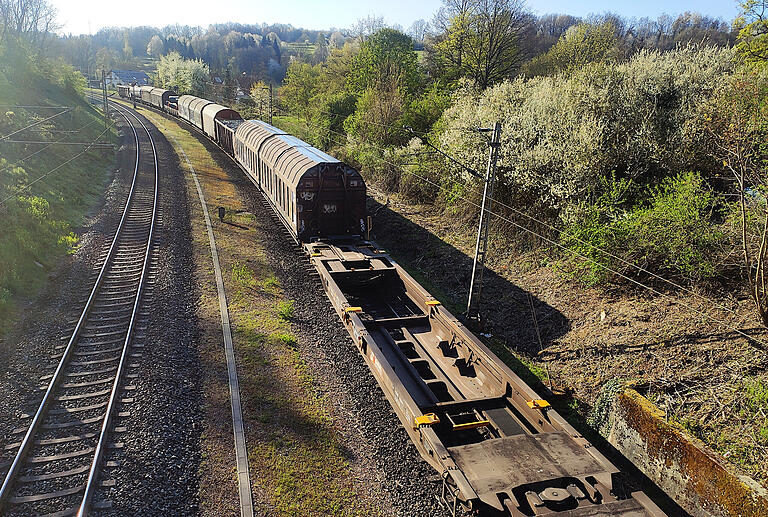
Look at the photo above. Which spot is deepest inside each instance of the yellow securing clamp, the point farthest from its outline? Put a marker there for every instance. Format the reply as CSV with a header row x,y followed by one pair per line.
x,y
432,303
537,404
471,425
425,420
316,254
353,309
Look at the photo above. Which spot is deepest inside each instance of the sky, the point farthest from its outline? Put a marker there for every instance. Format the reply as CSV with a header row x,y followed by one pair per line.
x,y
84,16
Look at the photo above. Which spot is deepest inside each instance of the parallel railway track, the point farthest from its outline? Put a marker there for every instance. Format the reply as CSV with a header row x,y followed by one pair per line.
x,y
59,458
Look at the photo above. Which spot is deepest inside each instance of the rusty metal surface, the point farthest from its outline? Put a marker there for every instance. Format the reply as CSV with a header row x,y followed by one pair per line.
x,y
497,451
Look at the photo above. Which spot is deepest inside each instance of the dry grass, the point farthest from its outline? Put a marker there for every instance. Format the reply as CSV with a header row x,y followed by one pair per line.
x,y
298,463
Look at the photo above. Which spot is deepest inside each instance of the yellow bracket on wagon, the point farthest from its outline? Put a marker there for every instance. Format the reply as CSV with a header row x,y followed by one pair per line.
x,y
538,404
427,420
471,425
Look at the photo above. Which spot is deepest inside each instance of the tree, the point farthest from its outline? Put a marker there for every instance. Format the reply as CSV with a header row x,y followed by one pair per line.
x,y
260,95
448,50
752,24
127,49
738,125
33,20
321,49
385,53
337,39
418,30
582,44
229,94
479,39
299,88
185,76
155,47
493,51
385,76
365,27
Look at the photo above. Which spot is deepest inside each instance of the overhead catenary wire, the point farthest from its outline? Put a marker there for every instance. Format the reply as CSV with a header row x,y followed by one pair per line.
x,y
562,232
36,123
70,160
22,160
575,253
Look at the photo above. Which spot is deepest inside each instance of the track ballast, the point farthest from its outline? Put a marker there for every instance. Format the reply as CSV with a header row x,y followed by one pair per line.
x,y
60,457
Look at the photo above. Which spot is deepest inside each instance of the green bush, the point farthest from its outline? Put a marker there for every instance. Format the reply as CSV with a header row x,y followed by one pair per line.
x,y
672,231
562,134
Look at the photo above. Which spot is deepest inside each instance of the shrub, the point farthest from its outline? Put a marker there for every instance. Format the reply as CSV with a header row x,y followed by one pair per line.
x,y
562,134
672,231
285,310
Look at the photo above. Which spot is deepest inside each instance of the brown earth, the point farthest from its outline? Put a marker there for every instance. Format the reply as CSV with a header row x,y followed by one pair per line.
x,y
708,378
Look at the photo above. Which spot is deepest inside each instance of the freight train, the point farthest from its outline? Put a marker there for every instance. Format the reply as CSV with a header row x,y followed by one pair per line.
x,y
314,194
499,447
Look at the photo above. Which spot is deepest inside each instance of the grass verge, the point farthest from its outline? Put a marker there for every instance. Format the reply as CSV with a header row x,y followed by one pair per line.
x,y
43,195
299,466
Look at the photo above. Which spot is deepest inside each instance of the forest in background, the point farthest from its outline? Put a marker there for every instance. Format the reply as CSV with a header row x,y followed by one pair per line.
x,y
636,143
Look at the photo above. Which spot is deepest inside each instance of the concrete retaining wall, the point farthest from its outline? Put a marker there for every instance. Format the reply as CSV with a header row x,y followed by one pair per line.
x,y
694,476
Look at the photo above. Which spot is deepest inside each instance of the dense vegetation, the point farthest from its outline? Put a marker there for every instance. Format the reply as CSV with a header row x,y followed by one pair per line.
x,y
610,125
44,188
637,146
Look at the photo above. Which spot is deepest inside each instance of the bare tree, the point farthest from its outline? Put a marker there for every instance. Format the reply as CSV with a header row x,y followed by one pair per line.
x,y
32,20
495,48
418,30
480,39
364,27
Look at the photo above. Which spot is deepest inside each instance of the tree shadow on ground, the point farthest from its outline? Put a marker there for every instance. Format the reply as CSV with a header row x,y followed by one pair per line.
x,y
507,309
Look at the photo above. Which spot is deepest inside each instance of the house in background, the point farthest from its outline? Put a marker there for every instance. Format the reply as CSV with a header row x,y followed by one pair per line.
x,y
115,77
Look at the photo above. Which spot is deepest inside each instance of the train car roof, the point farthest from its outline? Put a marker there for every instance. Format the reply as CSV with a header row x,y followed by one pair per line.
x,y
186,99
214,110
292,156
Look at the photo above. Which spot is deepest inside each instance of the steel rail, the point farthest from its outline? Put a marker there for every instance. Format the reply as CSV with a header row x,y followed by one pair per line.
x,y
27,441
92,482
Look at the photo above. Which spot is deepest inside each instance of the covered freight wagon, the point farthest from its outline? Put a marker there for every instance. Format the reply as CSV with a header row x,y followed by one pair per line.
x,y
159,97
145,92
314,193
213,112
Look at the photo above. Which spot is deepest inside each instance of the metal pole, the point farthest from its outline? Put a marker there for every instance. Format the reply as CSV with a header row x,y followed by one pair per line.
x,y
270,104
481,245
104,95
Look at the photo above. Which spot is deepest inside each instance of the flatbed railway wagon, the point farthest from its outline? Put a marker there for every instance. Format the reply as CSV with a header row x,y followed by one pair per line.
x,y
500,448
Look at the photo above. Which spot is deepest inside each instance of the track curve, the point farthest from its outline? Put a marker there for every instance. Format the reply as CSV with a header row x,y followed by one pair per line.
x,y
55,471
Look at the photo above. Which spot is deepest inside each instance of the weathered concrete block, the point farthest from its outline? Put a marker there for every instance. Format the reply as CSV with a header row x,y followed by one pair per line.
x,y
698,479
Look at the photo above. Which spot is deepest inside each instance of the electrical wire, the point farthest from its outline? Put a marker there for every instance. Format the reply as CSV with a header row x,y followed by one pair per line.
x,y
575,253
16,163
27,187
36,123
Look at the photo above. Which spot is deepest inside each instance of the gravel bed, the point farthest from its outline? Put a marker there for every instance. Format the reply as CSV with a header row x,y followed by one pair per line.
x,y
160,454
384,460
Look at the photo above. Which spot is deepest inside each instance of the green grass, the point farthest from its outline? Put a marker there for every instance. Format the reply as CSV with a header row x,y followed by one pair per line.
x,y
285,310
42,202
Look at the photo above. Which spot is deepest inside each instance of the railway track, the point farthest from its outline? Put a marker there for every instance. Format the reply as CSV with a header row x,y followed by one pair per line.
x,y
61,456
